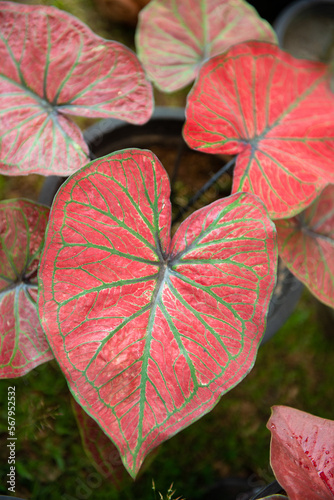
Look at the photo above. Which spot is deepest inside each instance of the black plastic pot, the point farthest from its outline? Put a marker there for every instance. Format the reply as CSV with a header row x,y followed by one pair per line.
x,y
305,28
163,135
240,489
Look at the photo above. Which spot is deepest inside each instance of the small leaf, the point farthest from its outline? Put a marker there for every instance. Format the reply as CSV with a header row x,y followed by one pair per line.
x,y
277,113
23,345
302,453
52,65
306,245
174,37
151,332
100,450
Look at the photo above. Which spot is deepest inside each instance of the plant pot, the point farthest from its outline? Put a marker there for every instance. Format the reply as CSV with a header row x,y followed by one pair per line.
x,y
306,29
186,167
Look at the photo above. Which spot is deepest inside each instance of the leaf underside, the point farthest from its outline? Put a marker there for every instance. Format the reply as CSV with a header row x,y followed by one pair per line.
x,y
151,332
23,345
302,453
174,38
100,450
52,66
276,113
306,245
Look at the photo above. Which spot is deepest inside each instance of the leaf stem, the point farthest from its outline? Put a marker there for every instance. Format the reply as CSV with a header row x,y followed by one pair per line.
x,y
203,189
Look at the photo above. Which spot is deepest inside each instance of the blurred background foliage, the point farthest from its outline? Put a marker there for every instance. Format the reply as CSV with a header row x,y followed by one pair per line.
x,y
295,368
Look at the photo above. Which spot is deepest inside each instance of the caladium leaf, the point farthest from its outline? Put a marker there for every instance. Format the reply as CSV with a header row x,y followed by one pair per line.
x,y
277,113
306,245
99,448
302,453
23,345
52,65
151,332
175,37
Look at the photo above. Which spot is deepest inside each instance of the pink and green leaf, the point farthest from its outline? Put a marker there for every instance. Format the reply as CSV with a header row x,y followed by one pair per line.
x,y
302,453
306,245
149,331
99,448
52,65
276,113
23,345
175,37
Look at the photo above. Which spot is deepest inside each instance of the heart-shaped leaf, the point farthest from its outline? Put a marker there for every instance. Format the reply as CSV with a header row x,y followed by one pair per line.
x,y
174,37
23,344
53,65
302,453
306,245
277,113
151,332
99,448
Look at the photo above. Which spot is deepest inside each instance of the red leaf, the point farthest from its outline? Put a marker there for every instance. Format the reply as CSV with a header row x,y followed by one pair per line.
x,y
53,65
100,450
23,344
302,453
306,245
276,113
175,37
151,332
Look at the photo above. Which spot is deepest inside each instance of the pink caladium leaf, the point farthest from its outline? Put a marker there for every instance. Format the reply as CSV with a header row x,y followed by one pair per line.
x,y
175,37
302,453
150,331
276,113
52,65
306,245
99,448
23,345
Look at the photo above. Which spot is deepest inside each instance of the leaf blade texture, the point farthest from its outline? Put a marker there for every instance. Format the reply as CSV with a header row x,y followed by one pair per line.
x,y
302,453
54,66
306,245
23,343
150,331
276,113
174,38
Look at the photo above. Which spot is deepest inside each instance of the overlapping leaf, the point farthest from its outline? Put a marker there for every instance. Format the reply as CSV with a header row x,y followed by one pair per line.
x,y
101,451
302,453
151,332
52,65
23,345
174,37
276,113
306,245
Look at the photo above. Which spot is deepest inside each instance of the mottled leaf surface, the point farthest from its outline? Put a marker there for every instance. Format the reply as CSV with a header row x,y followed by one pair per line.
x,y
302,453
276,113
52,65
151,332
99,448
175,37
306,245
23,345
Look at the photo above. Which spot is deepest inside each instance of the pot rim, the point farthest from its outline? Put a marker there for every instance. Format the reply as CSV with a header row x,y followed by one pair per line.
x,y
293,10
